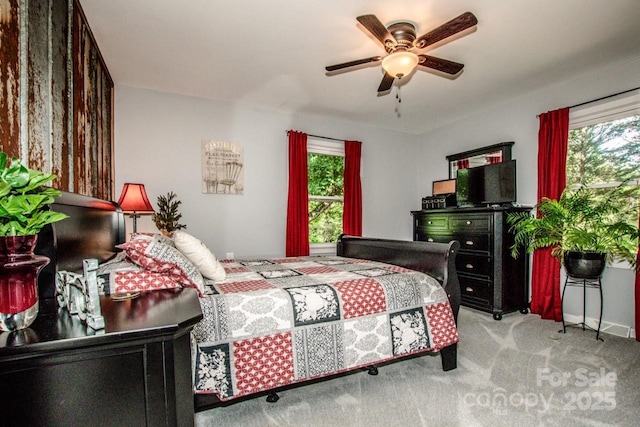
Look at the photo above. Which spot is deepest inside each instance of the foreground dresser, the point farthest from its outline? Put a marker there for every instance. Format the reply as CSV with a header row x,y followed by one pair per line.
x,y
135,372
491,279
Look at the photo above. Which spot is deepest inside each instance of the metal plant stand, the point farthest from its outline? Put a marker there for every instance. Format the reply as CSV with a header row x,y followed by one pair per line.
x,y
588,282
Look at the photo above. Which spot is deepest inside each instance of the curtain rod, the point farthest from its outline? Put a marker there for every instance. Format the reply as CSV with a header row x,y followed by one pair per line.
x,y
604,97
322,137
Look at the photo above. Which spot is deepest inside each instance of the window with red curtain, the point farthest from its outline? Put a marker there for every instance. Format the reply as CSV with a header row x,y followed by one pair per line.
x,y
553,138
352,213
297,239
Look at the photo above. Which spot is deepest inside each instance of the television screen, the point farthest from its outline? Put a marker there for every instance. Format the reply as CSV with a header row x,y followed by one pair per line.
x,y
487,185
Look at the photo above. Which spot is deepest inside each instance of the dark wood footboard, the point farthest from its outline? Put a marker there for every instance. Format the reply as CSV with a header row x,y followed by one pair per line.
x,y
436,259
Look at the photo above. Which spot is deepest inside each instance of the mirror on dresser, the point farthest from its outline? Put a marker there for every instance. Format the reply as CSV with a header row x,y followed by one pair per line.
x,y
491,154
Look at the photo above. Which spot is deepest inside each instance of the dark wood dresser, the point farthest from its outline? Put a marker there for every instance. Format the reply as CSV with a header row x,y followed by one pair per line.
x,y
491,279
135,372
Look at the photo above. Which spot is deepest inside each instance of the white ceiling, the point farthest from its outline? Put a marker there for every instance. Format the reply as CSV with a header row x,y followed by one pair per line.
x,y
271,54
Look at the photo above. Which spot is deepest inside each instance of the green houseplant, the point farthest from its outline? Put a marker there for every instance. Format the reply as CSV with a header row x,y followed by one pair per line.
x,y
167,217
582,224
24,200
24,211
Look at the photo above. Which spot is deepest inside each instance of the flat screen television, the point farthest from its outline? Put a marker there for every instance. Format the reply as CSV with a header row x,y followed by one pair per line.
x,y
487,185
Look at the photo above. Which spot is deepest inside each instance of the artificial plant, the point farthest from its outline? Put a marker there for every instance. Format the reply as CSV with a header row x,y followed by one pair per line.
x,y
167,217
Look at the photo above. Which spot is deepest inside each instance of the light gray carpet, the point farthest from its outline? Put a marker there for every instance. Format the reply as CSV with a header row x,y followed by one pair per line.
x,y
516,372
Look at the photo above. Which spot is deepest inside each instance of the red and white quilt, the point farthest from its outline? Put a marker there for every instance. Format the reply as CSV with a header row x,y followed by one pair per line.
x,y
280,321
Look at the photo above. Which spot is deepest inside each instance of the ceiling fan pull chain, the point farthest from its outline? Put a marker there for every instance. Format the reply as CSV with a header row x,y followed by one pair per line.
x,y
399,100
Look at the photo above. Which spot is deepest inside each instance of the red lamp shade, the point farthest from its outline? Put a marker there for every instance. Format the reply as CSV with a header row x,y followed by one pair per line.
x,y
134,199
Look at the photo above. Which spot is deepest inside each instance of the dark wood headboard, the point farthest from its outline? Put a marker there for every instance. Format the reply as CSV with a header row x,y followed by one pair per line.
x,y
93,229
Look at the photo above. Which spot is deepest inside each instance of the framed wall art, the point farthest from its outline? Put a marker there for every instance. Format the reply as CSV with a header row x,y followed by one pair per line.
x,y
222,167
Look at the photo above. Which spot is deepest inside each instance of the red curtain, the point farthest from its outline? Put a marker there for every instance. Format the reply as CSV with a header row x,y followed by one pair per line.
x,y
463,164
495,159
553,137
297,243
352,214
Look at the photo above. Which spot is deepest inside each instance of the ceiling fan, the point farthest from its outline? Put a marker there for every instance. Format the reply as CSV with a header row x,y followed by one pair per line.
x,y
400,42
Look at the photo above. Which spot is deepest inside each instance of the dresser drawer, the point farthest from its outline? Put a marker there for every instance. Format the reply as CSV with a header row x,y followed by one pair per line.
x,y
475,289
432,237
432,222
474,264
470,223
480,243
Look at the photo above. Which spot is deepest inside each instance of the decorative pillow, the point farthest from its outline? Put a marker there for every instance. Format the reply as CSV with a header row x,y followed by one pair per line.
x,y
150,236
200,255
154,255
120,275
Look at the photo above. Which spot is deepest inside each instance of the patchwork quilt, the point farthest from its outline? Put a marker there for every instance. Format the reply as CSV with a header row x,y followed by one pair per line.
x,y
276,322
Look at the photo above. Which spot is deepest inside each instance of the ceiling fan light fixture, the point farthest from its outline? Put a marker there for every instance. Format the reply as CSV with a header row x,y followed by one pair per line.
x,y
400,64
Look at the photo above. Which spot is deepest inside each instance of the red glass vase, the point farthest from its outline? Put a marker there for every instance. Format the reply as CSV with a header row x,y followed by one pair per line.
x,y
19,269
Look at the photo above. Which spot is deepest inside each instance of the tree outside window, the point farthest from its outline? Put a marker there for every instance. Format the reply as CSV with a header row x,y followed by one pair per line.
x,y
326,197
603,155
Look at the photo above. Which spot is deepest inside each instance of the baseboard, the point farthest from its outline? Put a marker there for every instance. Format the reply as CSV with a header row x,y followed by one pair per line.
x,y
607,327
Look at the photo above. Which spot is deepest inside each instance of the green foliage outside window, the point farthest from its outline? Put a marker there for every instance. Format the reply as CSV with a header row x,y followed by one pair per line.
x,y
605,153
326,181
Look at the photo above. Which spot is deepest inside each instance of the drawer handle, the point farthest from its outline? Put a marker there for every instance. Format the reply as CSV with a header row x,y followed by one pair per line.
x,y
469,266
430,239
469,243
468,222
468,289
429,222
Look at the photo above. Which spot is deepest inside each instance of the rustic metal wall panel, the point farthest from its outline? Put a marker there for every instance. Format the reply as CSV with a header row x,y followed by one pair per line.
x,y
10,79
81,94
103,129
92,88
38,129
56,106
60,93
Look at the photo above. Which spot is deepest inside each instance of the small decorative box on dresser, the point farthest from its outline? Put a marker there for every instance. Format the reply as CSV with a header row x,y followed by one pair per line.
x,y
491,279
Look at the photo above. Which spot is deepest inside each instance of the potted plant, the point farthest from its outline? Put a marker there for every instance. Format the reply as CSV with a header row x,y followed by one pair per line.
x,y
24,211
167,217
585,229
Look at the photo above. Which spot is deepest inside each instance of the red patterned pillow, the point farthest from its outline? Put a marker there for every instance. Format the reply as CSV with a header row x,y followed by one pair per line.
x,y
133,281
156,256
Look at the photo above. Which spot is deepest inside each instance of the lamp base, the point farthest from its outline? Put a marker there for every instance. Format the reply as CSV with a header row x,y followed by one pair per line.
x,y
135,216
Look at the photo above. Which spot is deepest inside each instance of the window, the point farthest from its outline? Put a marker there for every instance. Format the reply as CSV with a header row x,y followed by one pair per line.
x,y
604,145
326,194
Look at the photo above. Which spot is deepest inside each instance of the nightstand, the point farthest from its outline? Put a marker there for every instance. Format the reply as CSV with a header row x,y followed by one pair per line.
x,y
137,371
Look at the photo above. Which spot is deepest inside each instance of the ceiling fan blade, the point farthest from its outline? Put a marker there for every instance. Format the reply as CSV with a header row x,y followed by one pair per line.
x,y
377,29
461,23
386,83
353,63
440,64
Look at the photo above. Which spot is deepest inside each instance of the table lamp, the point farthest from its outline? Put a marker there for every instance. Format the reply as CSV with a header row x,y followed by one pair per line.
x,y
134,201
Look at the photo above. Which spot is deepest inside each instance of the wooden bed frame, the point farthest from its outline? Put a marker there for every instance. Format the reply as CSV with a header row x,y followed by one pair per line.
x,y
95,226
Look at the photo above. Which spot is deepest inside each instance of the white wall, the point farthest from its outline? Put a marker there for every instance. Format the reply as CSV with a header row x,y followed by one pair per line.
x,y
518,122
158,141
158,137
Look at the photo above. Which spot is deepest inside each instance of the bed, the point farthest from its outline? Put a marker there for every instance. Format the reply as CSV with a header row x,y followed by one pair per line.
x,y
271,324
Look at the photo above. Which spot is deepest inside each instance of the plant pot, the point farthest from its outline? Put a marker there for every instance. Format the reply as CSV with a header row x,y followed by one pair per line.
x,y
585,265
19,269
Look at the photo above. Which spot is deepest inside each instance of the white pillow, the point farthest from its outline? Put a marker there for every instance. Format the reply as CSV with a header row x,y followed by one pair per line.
x,y
200,255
